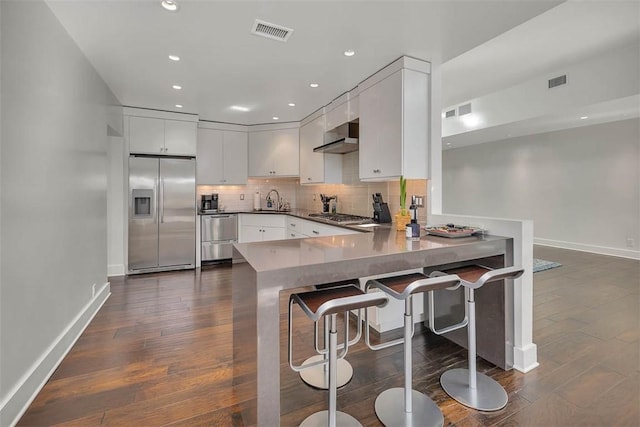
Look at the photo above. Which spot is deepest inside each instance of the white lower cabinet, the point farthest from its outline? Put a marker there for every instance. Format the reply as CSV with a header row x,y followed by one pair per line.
x,y
264,227
261,228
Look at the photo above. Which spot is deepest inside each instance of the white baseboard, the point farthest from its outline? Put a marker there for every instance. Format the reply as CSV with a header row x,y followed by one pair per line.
x,y
20,397
525,359
115,270
602,250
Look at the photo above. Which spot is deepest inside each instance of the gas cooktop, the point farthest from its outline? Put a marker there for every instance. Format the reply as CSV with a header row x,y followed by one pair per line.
x,y
343,219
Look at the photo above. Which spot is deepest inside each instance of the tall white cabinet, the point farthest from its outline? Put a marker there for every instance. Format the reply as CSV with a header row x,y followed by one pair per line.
x,y
222,156
394,118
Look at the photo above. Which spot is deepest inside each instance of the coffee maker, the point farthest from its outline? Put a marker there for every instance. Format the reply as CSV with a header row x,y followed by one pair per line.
x,y
209,202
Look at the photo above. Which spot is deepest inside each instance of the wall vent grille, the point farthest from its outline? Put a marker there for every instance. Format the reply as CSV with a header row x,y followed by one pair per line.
x,y
558,81
464,109
450,113
271,31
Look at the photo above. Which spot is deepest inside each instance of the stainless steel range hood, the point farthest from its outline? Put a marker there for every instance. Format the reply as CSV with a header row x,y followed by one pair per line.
x,y
341,140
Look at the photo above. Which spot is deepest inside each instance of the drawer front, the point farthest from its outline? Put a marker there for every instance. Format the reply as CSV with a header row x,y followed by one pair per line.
x,y
263,220
295,224
216,251
219,227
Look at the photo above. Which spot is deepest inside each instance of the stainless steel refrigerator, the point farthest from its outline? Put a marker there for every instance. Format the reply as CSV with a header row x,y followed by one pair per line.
x,y
162,214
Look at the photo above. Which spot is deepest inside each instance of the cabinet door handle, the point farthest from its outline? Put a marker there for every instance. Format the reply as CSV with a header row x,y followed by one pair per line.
x,y
309,179
293,225
316,232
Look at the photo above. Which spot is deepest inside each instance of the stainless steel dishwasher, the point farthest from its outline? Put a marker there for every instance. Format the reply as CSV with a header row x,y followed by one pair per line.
x,y
218,233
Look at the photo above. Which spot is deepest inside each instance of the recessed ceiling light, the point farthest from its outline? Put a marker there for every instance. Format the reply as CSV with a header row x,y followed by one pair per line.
x,y
276,118
174,57
239,108
170,5
584,117
178,105
177,87
291,104
314,85
349,52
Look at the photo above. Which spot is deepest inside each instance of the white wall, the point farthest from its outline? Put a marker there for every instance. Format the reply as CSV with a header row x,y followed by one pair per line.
x,y
579,186
54,199
115,207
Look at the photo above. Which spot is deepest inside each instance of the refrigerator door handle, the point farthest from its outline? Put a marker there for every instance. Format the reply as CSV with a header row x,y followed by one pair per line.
x,y
161,204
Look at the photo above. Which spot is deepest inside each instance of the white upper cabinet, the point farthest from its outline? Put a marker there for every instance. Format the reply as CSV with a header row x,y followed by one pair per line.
x,y
394,118
222,157
146,135
153,135
274,153
342,110
337,113
316,168
180,138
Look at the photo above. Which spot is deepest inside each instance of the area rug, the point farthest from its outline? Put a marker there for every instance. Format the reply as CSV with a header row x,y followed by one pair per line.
x,y
541,265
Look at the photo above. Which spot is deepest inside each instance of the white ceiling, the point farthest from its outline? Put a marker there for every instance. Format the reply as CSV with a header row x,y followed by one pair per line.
x,y
222,64
484,46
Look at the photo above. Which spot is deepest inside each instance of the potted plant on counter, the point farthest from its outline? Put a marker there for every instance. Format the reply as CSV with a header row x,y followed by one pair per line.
x,y
403,217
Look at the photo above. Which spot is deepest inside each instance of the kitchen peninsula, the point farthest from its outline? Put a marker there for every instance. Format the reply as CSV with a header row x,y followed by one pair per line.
x,y
272,267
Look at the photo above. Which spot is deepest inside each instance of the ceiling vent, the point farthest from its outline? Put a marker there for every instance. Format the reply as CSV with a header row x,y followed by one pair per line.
x,y
464,109
450,113
271,31
557,81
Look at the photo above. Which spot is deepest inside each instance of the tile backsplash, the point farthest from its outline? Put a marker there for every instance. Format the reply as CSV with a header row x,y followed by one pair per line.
x,y
354,196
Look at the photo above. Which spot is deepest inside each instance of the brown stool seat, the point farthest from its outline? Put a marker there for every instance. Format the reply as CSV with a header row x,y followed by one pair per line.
x,y
400,287
475,276
323,302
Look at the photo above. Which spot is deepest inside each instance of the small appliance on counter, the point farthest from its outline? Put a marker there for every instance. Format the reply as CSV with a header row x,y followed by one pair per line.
x,y
209,202
381,212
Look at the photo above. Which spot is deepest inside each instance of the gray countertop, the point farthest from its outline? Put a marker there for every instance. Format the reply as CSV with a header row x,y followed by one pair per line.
x,y
300,213
380,242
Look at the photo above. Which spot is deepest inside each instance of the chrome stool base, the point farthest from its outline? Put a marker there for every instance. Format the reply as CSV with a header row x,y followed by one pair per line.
x,y
318,376
390,409
321,419
487,396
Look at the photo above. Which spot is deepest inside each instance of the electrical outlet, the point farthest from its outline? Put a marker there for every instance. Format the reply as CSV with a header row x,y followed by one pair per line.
x,y
419,201
93,290
242,197
631,242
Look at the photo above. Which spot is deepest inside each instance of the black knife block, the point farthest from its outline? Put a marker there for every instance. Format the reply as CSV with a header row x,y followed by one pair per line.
x,y
381,213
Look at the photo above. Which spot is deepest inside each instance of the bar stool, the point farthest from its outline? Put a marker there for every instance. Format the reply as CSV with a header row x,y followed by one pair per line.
x,y
329,302
405,406
317,375
467,386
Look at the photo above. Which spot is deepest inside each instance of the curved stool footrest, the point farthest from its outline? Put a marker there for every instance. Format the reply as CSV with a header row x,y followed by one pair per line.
x,y
321,419
488,395
390,409
318,377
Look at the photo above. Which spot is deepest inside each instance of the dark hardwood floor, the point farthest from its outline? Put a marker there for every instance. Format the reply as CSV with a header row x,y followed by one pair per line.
x,y
159,353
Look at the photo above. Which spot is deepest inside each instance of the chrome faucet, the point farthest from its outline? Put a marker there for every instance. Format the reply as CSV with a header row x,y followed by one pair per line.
x,y
269,200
